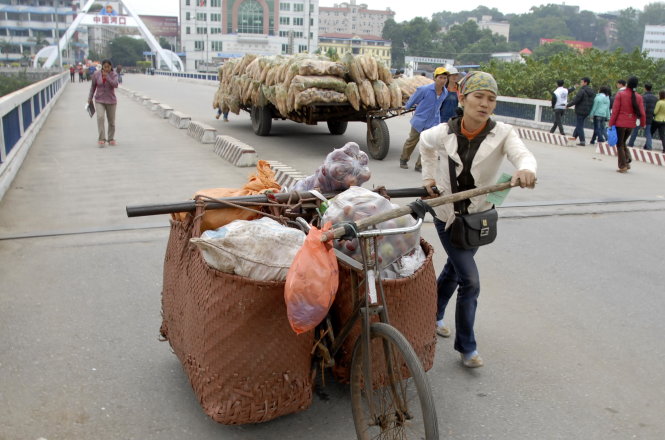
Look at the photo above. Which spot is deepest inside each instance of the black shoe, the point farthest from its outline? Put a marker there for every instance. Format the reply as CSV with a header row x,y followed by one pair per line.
x,y
418,168
403,164
581,144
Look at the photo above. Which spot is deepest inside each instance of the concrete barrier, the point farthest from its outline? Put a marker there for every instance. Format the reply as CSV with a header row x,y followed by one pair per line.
x,y
180,120
237,153
202,132
638,154
544,136
284,174
164,111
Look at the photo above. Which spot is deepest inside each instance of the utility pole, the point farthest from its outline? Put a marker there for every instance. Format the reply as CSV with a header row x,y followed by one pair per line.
x,y
57,33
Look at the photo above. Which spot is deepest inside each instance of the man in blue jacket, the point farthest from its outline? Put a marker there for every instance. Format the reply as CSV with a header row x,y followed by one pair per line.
x,y
427,100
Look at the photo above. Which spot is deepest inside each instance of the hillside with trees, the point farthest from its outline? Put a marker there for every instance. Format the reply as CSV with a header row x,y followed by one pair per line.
x,y
452,35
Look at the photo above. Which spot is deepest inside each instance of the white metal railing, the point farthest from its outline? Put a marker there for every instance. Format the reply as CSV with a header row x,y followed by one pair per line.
x,y
194,75
22,113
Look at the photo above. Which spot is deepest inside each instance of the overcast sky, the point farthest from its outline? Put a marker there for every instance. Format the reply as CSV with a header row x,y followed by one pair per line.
x,y
418,8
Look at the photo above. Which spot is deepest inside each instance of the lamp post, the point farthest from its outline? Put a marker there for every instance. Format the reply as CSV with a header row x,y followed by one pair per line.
x,y
57,33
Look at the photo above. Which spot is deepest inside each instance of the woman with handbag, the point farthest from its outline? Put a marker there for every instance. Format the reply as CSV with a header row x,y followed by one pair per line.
x,y
471,149
626,110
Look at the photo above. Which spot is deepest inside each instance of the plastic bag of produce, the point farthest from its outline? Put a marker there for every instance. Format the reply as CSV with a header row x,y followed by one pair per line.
x,y
258,249
311,283
358,203
343,168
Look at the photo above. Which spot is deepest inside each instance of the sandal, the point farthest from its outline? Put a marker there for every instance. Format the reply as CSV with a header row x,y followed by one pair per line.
x,y
112,143
101,142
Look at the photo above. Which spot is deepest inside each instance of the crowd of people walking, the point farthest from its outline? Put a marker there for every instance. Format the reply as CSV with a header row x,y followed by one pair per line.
x,y
627,110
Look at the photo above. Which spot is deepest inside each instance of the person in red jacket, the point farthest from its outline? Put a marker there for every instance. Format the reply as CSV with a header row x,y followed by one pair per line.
x,y
626,110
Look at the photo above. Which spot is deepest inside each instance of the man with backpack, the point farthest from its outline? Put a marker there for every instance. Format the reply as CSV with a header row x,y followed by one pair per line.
x,y
583,102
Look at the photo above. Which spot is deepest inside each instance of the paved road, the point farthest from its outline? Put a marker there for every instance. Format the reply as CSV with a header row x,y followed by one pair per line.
x,y
570,318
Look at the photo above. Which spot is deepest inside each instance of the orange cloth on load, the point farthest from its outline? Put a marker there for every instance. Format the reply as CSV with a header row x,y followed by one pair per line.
x,y
262,181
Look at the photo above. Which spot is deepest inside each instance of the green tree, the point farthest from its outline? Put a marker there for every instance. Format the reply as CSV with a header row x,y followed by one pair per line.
x,y
546,51
629,30
164,43
127,50
332,54
394,33
5,47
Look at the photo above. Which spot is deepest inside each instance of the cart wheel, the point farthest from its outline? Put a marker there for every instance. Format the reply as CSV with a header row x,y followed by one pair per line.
x,y
401,395
337,127
261,120
378,138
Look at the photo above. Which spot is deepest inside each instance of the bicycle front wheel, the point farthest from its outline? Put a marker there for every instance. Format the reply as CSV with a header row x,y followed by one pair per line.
x,y
403,406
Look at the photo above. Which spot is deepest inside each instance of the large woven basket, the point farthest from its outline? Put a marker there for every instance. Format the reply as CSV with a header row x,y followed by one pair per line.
x,y
411,309
232,336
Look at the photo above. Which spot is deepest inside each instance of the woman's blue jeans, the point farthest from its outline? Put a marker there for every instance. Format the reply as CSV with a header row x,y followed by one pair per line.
x,y
598,129
460,273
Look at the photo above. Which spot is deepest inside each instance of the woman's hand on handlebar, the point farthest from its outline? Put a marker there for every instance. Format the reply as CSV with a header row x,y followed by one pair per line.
x,y
430,185
524,178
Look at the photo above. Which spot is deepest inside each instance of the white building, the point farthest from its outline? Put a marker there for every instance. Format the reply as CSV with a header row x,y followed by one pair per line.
x,y
352,18
654,41
27,25
497,27
214,30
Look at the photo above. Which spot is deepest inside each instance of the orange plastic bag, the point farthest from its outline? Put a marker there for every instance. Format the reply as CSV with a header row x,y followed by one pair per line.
x,y
262,181
311,282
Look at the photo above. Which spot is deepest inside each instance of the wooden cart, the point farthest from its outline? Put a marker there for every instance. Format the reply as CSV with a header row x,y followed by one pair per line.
x,y
337,116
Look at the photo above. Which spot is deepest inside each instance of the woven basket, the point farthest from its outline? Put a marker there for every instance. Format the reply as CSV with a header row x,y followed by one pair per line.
x,y
232,336
411,309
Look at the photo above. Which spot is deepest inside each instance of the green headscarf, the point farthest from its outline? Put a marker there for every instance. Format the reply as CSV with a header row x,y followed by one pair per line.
x,y
478,80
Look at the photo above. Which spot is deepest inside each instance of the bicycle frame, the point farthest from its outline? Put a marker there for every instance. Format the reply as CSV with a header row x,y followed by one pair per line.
x,y
370,303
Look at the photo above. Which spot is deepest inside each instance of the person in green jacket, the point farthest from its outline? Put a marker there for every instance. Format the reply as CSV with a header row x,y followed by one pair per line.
x,y
658,123
600,112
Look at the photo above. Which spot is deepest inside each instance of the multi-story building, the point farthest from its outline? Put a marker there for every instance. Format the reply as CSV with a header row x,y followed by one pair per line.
x,y
28,25
357,45
654,41
214,30
352,18
497,27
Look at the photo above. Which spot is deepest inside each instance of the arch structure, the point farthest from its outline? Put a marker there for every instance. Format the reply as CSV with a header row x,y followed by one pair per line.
x,y
165,56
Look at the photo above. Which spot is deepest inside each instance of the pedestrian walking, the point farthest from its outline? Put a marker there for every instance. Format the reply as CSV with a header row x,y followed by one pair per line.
x,y
628,108
104,83
427,99
72,73
582,102
559,102
474,147
600,112
658,123
118,70
450,105
220,113
79,68
649,100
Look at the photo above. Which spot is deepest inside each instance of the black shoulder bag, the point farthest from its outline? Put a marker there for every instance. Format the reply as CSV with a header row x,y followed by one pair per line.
x,y
470,231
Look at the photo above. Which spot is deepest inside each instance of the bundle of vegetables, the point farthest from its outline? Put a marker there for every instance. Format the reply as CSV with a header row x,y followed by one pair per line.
x,y
290,82
343,168
408,86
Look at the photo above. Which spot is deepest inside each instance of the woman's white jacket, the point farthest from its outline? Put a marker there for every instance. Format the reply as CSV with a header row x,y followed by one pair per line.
x,y
502,141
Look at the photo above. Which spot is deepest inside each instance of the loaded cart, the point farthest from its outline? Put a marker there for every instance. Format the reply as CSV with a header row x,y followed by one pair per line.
x,y
247,365
337,116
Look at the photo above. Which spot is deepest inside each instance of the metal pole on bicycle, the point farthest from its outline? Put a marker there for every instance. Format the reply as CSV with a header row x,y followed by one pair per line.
x,y
404,210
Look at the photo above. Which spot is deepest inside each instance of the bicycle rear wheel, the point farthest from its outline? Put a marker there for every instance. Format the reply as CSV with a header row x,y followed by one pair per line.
x,y
401,395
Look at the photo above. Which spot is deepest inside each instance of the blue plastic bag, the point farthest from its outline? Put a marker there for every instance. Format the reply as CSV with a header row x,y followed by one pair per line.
x,y
612,137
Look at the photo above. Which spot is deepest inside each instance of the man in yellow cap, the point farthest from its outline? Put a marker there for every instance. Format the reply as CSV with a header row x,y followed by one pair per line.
x,y
427,100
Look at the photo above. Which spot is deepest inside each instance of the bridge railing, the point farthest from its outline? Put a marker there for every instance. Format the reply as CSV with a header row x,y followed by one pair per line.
x,y
22,113
195,75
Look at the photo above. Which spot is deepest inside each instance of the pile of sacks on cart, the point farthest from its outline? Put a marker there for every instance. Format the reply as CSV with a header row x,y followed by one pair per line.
x,y
244,289
291,82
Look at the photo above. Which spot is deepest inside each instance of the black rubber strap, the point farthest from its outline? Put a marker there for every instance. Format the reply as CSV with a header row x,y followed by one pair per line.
x,y
350,231
419,209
